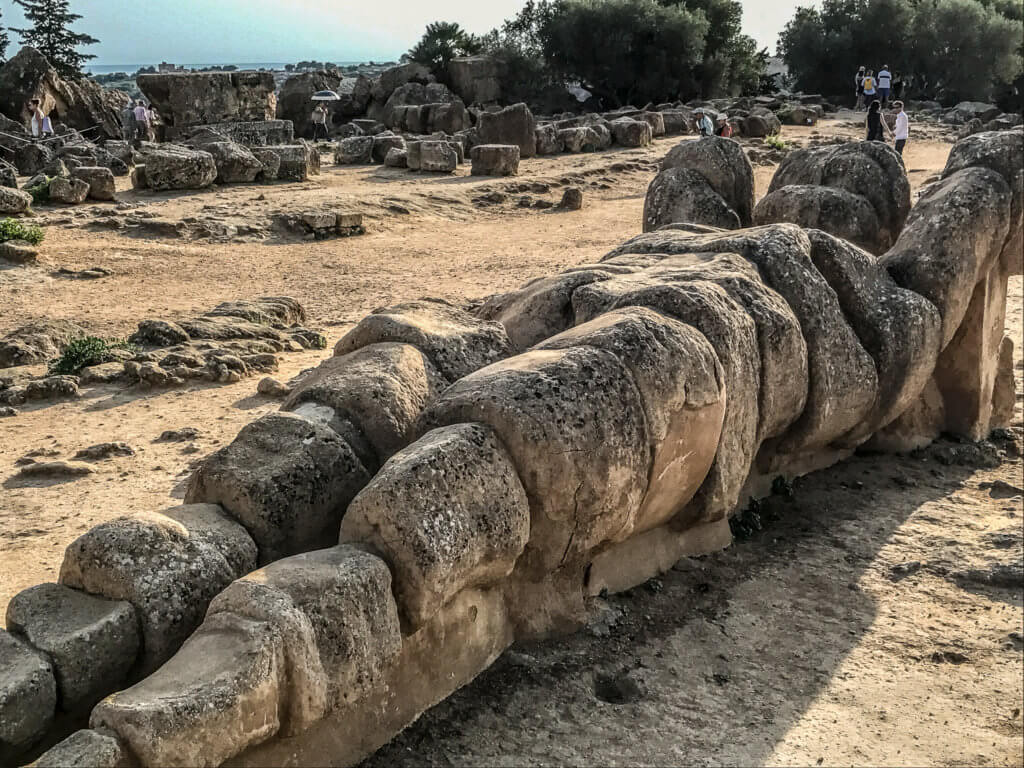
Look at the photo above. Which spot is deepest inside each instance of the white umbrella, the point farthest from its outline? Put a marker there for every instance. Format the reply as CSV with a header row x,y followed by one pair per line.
x,y
326,96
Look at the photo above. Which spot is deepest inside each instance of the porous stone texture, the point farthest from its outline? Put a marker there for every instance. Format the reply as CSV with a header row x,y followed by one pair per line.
x,y
37,342
14,200
168,566
573,423
512,125
217,695
338,620
446,513
376,394
494,160
353,150
724,165
297,161
438,157
456,342
70,191
835,211
383,144
28,693
100,181
235,163
631,133
541,308
287,479
87,749
180,168
682,385
186,99
869,169
681,195
948,241
91,642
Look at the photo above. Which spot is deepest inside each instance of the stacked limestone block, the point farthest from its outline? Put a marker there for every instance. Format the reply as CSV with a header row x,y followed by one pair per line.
x,y
617,424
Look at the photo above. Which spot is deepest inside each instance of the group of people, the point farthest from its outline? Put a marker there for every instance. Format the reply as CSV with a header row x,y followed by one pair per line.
x,y
882,86
878,128
138,122
706,127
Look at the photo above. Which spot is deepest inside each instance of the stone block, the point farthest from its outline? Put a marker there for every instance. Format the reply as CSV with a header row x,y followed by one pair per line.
x,y
28,693
494,160
446,513
92,643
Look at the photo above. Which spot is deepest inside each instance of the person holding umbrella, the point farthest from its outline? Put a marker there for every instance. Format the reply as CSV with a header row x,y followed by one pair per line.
x,y
319,117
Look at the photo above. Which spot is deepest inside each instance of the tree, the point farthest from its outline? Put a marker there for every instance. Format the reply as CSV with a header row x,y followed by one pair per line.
x,y
5,40
51,35
519,45
953,48
442,42
626,51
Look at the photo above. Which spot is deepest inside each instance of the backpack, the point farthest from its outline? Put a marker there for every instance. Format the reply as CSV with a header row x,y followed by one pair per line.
x,y
869,83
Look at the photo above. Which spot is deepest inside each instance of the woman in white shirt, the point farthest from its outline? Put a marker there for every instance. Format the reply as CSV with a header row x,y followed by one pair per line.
x,y
36,117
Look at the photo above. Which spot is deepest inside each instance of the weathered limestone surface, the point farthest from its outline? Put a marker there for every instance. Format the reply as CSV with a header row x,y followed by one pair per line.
x,y
651,392
91,642
186,99
287,479
168,566
726,168
28,693
87,749
446,513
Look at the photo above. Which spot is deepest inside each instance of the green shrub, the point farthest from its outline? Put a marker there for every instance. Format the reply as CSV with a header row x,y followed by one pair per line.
x,y
40,192
15,229
86,351
775,142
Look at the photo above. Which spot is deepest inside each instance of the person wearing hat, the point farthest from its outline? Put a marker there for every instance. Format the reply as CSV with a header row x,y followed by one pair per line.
x,y
704,125
902,130
724,129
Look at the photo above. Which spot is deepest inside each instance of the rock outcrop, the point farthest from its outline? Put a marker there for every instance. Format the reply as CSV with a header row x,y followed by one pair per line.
x,y
78,104
187,99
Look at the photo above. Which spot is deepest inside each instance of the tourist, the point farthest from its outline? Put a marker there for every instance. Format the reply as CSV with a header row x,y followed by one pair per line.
x,y
36,116
858,80
724,129
151,122
902,131
704,125
897,86
128,129
869,86
47,131
141,122
319,120
884,84
877,127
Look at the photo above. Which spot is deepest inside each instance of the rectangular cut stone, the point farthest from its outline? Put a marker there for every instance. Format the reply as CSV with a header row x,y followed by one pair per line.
x,y
28,694
91,642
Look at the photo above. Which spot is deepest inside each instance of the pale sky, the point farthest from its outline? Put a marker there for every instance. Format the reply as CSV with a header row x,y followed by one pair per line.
x,y
253,31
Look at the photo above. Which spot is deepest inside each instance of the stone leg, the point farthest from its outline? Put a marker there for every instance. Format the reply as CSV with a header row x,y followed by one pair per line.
x,y
967,368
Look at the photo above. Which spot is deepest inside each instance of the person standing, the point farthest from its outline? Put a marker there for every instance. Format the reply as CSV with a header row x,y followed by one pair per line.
x,y
884,84
151,122
877,129
128,129
319,121
141,122
35,118
724,129
869,86
858,80
704,125
902,130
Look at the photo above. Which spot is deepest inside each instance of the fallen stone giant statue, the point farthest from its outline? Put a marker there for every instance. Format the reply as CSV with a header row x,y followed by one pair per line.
x,y
449,483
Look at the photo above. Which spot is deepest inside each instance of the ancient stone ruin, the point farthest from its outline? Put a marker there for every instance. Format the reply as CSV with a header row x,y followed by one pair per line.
x,y
451,482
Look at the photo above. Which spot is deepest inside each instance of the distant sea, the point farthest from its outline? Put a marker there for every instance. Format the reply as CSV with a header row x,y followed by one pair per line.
x,y
106,69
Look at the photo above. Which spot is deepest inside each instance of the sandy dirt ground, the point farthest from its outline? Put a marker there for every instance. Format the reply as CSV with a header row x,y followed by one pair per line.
x,y
857,627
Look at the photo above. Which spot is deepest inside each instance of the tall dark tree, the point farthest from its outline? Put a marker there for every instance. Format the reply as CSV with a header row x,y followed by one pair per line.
x,y
4,40
51,35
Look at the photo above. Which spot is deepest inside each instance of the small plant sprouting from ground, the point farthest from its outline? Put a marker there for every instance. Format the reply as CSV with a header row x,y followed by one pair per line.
x,y
748,522
775,142
13,229
41,191
86,351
